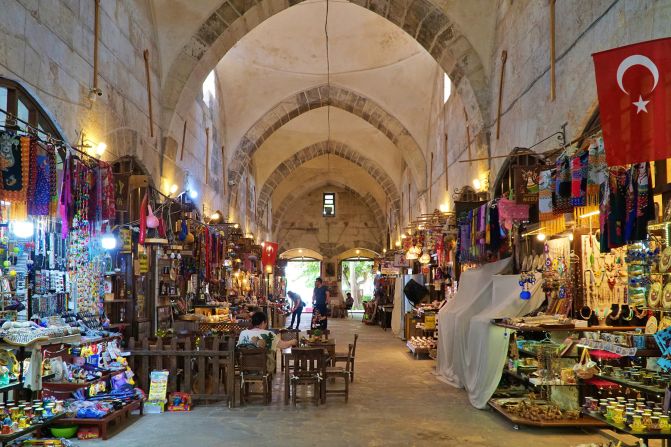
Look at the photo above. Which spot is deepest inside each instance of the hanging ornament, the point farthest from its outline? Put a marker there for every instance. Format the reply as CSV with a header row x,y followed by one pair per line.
x,y
526,279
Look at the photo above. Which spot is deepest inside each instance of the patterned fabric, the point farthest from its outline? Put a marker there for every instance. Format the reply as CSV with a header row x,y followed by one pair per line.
x,y
545,195
562,197
597,171
579,178
509,211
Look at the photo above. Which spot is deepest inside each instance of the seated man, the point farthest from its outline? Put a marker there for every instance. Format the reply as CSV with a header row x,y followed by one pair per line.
x,y
259,336
349,302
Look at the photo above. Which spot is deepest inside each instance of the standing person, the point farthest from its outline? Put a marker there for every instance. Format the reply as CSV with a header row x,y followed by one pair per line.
x,y
296,309
321,299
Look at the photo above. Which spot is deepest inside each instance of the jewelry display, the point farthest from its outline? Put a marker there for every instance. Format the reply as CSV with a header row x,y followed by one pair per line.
x,y
526,280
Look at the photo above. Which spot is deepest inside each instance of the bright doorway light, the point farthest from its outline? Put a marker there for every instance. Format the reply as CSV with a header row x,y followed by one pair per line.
x,y
447,88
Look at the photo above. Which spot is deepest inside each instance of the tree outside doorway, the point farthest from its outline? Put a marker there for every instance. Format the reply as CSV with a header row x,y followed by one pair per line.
x,y
301,275
357,278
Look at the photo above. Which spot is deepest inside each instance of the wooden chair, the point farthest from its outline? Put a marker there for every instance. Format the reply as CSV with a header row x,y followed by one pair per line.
x,y
334,372
254,369
348,357
288,335
323,332
308,369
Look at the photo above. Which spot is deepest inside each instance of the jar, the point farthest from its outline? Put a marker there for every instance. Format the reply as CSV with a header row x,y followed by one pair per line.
x,y
629,417
654,423
14,413
637,425
610,412
664,422
59,408
23,423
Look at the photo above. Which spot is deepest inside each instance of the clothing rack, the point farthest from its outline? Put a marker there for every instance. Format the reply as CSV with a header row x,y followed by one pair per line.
x,y
34,132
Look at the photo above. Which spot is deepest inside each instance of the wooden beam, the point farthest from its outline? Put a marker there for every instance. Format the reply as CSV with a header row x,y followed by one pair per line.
x,y
148,74
553,79
181,155
504,58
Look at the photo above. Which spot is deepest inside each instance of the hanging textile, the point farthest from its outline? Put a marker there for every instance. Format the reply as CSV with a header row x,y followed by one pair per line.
x,y
65,201
15,167
509,211
562,193
597,172
545,195
39,203
579,177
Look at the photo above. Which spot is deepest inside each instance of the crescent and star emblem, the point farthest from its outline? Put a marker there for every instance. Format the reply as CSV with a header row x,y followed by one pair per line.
x,y
626,64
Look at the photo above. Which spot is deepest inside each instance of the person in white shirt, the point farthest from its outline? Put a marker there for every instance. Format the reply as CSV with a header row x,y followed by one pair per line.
x,y
260,336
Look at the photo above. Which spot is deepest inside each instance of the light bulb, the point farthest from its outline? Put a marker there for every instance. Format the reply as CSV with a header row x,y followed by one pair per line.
x,y
398,243
215,216
477,184
236,226
193,194
570,236
541,236
444,207
108,241
23,229
101,148
173,188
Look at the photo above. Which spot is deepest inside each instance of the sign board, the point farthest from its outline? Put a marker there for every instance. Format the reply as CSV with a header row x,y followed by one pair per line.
x,y
401,261
429,321
526,184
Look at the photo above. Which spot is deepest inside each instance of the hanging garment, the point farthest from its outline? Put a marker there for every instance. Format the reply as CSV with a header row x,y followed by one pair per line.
x,y
40,201
579,177
597,172
545,195
645,206
15,170
562,193
616,209
509,211
65,203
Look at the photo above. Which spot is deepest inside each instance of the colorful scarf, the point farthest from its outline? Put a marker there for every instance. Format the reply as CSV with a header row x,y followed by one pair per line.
x,y
562,202
545,195
579,177
509,212
597,172
15,172
40,191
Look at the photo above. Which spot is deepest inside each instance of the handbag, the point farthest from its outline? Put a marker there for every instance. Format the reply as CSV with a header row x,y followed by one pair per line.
x,y
586,367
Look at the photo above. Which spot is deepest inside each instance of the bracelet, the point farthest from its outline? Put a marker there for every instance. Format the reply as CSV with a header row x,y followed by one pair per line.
x,y
631,314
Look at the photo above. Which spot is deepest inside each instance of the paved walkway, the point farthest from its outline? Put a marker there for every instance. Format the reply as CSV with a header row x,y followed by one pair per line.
x,y
394,401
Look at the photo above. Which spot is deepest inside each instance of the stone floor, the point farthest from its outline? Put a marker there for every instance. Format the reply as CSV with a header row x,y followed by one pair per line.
x,y
394,401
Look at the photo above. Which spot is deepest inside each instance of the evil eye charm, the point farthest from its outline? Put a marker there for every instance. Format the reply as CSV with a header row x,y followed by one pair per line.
x,y
562,292
525,295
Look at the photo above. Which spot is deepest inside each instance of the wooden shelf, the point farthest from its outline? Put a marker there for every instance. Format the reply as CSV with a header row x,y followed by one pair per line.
x,y
655,434
73,386
117,301
10,437
585,421
104,422
645,388
566,329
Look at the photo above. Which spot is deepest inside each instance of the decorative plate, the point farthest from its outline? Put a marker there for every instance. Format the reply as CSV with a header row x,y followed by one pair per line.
x,y
666,296
665,260
651,325
655,295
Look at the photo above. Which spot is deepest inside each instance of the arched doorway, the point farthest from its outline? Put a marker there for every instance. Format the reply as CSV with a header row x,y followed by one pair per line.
x,y
303,267
357,276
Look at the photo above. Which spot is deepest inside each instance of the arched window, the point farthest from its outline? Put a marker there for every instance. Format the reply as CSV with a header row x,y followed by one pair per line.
x,y
17,102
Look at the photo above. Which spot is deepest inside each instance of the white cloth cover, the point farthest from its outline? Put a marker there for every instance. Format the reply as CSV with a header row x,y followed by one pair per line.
x,y
471,351
488,344
473,295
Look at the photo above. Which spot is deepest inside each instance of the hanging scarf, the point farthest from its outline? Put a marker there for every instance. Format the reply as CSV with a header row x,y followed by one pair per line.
x,y
108,203
65,201
597,171
40,202
143,218
15,170
579,177
545,195
563,185
53,181
509,211
645,206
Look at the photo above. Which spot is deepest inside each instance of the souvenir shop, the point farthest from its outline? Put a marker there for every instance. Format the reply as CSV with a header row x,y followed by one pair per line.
x,y
563,312
93,256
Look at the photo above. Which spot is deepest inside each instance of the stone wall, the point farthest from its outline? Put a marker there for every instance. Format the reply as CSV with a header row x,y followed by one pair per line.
x,y
354,225
47,46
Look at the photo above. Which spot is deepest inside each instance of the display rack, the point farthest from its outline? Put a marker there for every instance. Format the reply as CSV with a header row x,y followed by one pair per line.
x,y
103,423
584,421
4,439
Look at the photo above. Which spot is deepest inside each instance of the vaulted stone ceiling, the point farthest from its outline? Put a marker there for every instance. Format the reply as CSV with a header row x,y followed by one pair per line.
x,y
281,111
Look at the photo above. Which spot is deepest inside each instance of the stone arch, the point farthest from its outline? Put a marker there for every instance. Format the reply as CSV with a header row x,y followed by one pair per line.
x,y
315,150
367,199
323,96
426,22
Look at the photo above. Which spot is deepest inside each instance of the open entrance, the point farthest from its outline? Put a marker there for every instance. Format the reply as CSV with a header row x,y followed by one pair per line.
x,y
301,275
357,278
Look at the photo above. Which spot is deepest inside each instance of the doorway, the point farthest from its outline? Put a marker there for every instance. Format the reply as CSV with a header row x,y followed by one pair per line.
x,y
301,275
357,277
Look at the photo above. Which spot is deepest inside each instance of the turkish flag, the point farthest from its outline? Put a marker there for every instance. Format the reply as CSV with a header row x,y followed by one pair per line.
x,y
634,88
269,253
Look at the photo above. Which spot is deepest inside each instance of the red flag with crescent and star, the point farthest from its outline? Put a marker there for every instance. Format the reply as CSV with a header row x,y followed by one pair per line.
x,y
269,255
634,88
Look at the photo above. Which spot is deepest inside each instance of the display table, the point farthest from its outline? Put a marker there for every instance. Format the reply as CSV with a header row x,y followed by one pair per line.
x,y
584,421
664,435
103,423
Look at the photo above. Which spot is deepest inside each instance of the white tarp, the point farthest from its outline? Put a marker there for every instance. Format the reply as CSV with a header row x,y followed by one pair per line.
x,y
487,349
473,295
